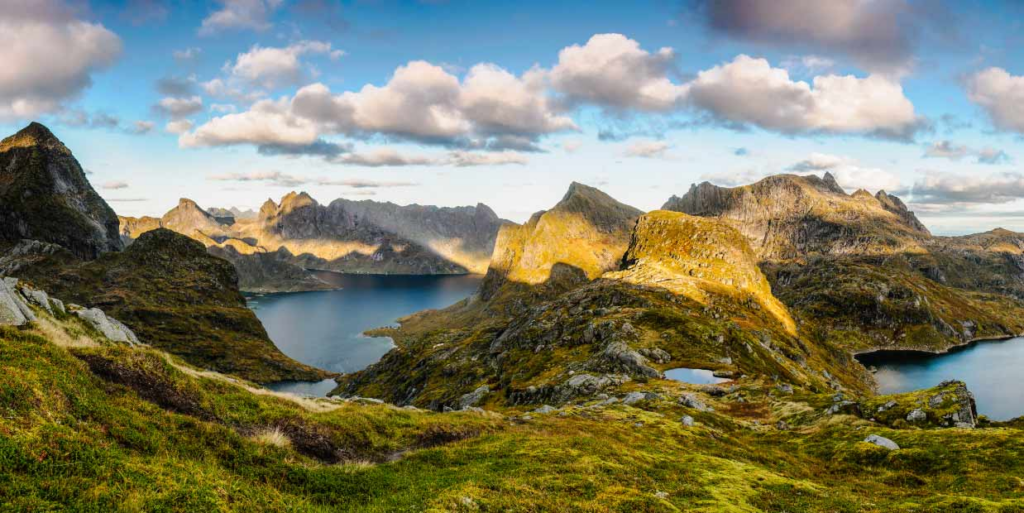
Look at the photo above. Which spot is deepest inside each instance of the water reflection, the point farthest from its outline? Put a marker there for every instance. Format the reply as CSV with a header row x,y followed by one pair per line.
x,y
993,371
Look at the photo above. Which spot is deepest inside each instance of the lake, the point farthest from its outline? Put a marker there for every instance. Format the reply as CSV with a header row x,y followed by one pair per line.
x,y
325,329
694,376
993,371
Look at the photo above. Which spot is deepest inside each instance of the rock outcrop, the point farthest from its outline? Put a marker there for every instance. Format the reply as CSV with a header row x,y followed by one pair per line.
x,y
110,328
45,196
578,240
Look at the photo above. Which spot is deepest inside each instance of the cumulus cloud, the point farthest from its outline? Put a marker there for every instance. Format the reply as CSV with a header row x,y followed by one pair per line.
x,y
83,119
1001,95
318,148
734,178
943,189
749,91
116,185
612,71
880,35
240,15
49,56
176,86
274,67
219,88
489,109
648,149
178,108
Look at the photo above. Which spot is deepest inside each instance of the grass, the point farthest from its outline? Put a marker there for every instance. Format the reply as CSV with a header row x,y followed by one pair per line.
x,y
72,437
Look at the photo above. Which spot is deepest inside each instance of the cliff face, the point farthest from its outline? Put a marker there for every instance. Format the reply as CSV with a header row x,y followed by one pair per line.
x,y
580,238
786,217
45,196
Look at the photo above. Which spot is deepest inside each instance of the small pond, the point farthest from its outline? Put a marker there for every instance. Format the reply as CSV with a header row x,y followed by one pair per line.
x,y
993,371
694,376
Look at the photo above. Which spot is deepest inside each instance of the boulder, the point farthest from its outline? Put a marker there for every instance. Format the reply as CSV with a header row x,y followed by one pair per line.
x,y
691,401
620,355
917,415
37,297
545,409
13,310
109,327
883,442
633,398
687,421
474,397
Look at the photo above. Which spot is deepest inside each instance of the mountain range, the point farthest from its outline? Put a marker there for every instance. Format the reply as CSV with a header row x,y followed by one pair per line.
x,y
274,248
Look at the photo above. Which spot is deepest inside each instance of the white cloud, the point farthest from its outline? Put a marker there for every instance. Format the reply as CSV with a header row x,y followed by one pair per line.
x,y
750,91
1001,95
240,15
936,188
219,88
178,108
117,185
734,178
274,67
384,157
819,162
180,126
572,145
268,122
49,56
421,102
612,71
647,149
466,159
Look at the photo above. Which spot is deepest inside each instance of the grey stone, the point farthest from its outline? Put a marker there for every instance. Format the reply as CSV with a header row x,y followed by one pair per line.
x,y
545,409
917,415
633,398
474,397
37,297
691,401
883,442
687,421
785,388
12,308
109,327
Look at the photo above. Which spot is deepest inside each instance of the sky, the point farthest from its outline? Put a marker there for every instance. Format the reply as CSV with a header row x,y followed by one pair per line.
x,y
459,102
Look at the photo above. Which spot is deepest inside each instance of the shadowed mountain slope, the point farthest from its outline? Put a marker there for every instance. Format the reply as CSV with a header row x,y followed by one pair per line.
x,y
45,196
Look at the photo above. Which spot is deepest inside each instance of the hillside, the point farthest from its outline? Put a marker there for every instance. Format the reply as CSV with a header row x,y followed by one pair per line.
x,y
91,424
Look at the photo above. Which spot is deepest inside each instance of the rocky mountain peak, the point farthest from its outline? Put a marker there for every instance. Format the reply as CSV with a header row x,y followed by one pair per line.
x,y
896,206
293,200
831,184
34,135
601,210
45,196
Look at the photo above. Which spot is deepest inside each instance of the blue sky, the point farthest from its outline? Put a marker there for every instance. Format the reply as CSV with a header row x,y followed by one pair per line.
x,y
230,102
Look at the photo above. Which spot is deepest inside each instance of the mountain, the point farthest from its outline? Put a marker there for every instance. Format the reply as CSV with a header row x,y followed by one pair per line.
x,y
862,268
45,196
273,249
789,217
591,296
580,238
177,297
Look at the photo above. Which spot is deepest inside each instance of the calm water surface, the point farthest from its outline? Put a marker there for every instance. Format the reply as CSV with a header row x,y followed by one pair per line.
x,y
694,376
993,371
324,329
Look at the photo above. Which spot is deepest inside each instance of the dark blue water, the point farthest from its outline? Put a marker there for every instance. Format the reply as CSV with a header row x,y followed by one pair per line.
x,y
694,376
324,329
993,371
